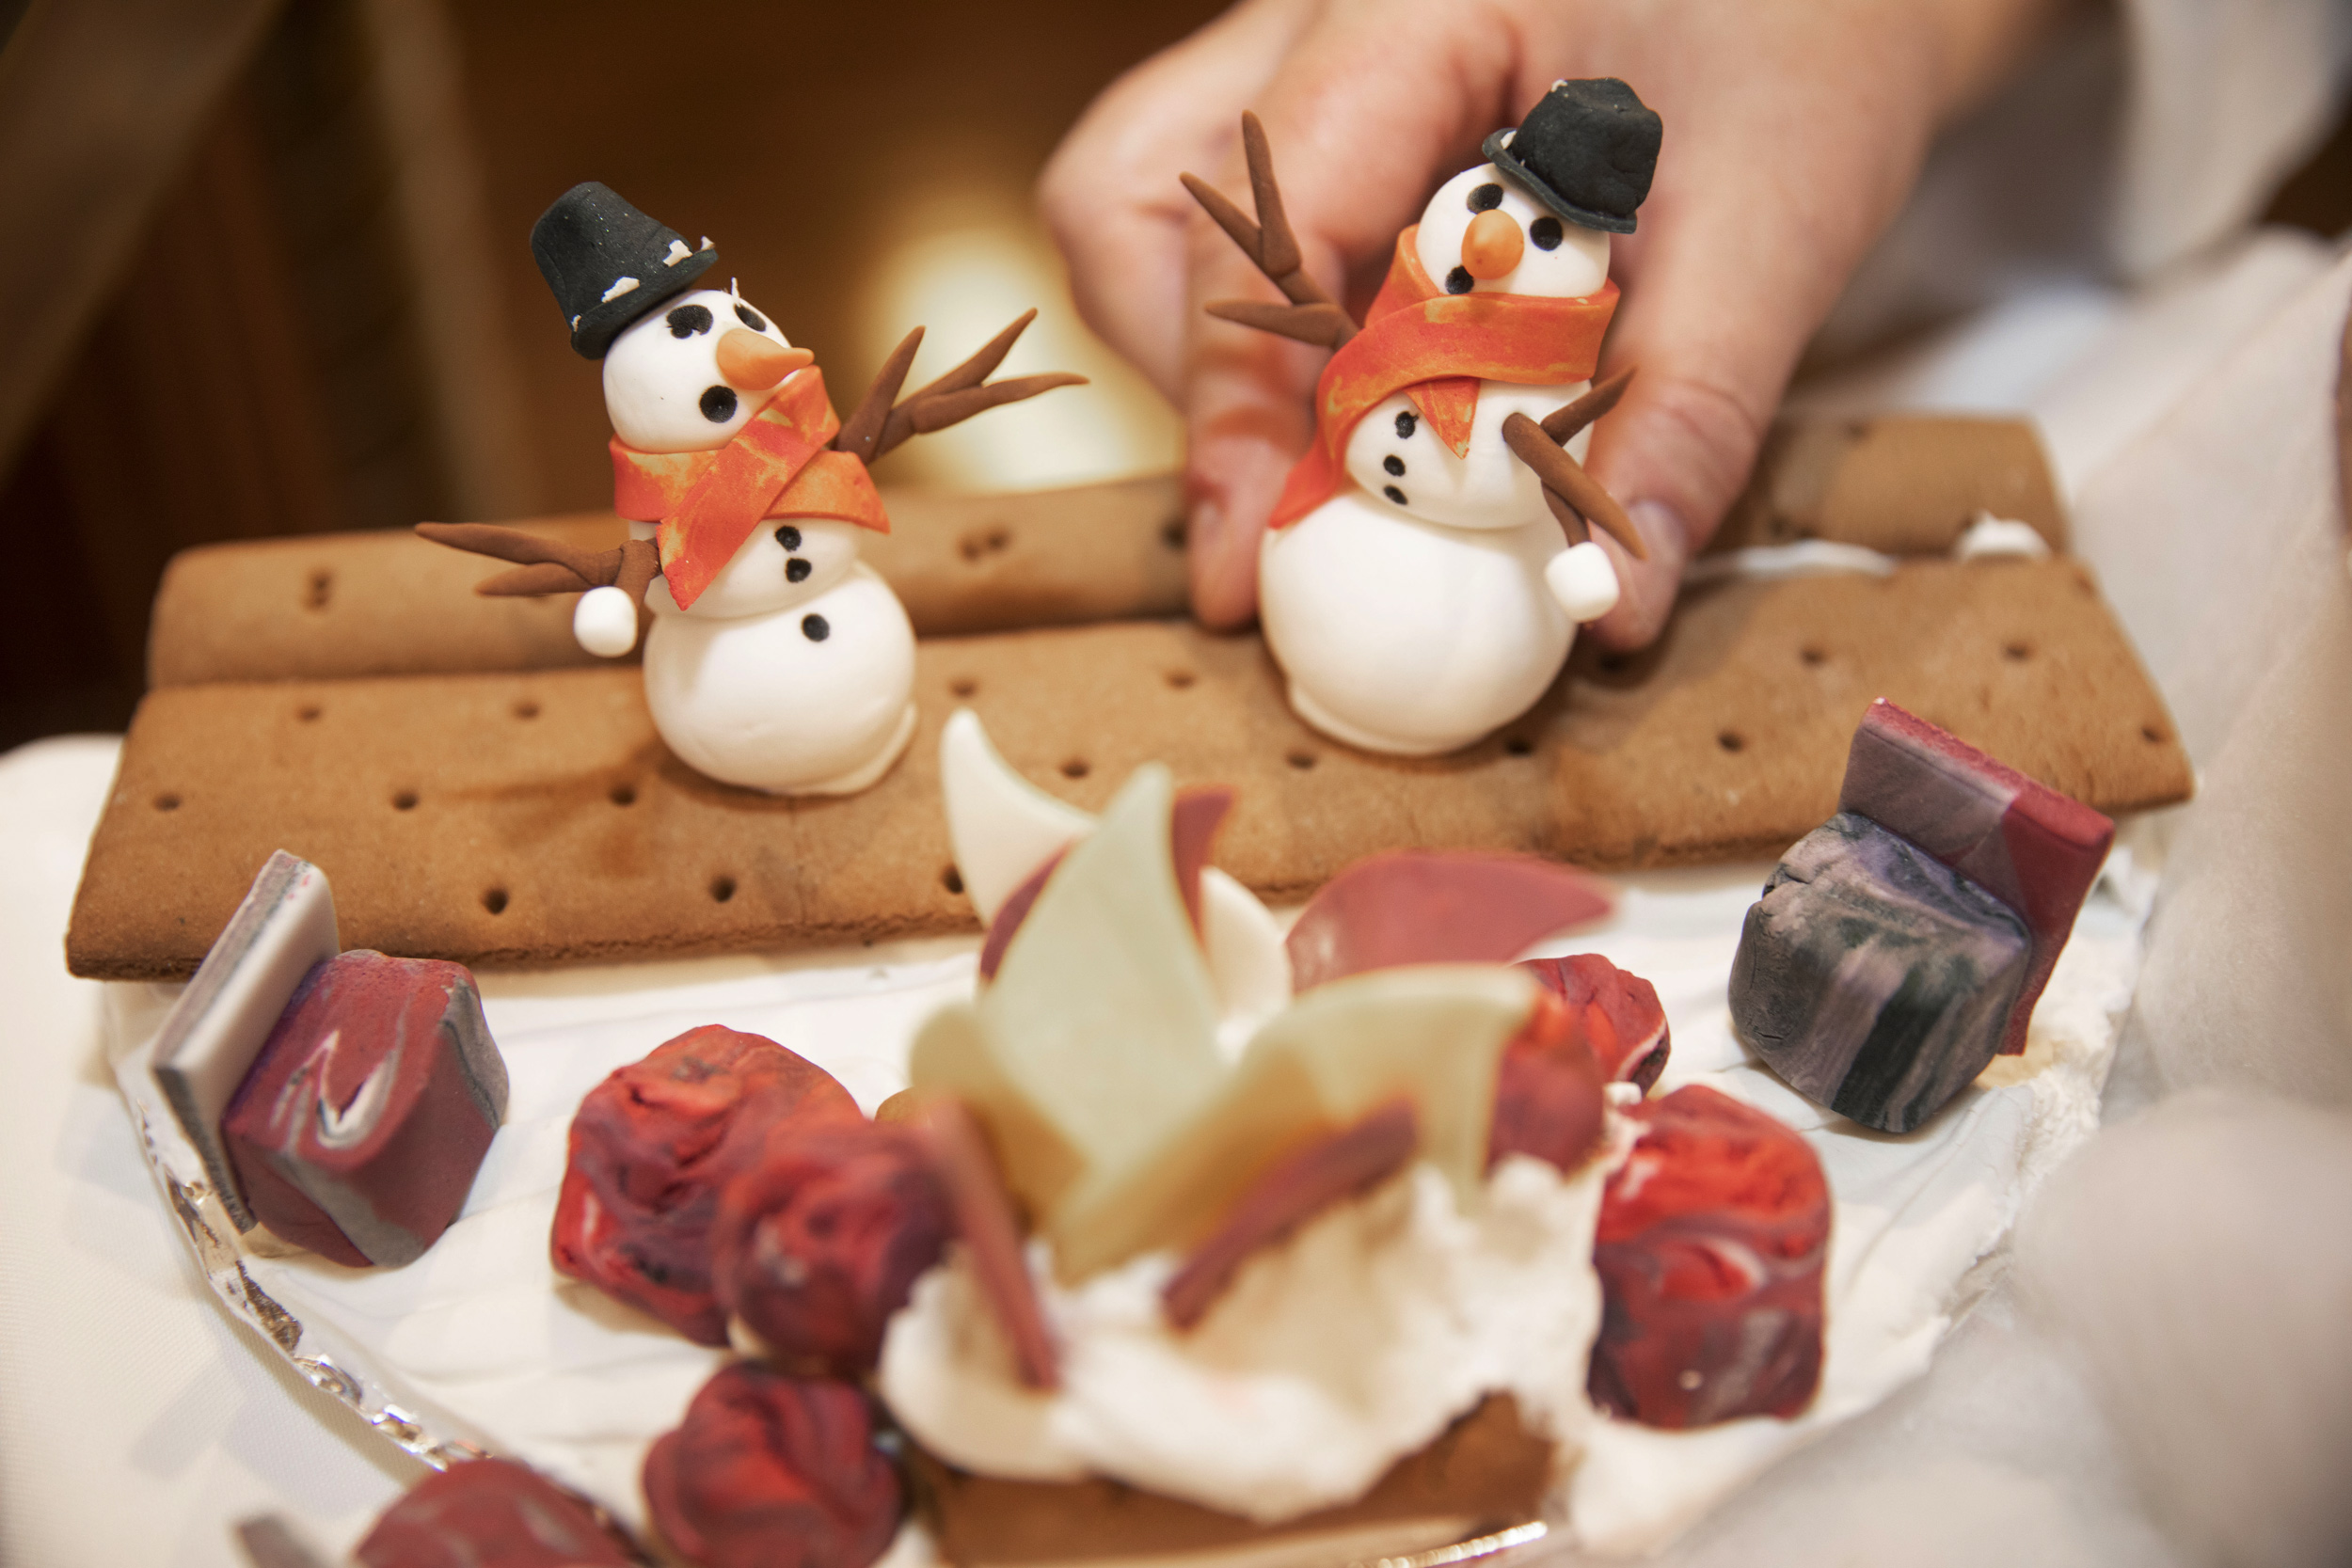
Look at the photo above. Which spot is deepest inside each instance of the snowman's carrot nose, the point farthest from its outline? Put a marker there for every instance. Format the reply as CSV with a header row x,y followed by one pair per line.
x,y
754,363
1493,245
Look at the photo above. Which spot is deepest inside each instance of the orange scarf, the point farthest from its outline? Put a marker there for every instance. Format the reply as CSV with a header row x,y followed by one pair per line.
x,y
707,503
1438,347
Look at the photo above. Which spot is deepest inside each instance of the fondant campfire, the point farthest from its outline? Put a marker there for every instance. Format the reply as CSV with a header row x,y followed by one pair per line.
x,y
1242,1219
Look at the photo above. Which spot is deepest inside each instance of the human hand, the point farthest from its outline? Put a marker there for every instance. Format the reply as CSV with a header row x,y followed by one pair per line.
x,y
1794,130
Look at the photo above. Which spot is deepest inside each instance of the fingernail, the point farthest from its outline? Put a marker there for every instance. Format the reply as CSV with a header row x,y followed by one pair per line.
x,y
1664,531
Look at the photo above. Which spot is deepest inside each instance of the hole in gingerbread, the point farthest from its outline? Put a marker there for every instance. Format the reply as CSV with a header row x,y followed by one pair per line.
x,y
319,589
623,794
1732,740
527,709
1180,679
722,889
2017,652
1301,760
951,880
309,713
494,900
1813,655
964,685
1076,767
166,801
1520,746
405,800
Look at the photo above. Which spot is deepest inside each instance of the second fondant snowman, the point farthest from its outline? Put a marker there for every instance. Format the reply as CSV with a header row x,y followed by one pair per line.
x,y
776,659
1425,569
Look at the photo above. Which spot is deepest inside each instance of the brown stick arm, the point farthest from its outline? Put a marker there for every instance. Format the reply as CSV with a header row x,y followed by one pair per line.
x,y
882,423
1565,481
1314,316
547,566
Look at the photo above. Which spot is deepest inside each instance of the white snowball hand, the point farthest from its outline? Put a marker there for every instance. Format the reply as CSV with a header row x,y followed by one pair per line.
x,y
1583,580
605,623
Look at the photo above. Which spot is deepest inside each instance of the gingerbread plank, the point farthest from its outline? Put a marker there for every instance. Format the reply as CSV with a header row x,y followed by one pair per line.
x,y
535,818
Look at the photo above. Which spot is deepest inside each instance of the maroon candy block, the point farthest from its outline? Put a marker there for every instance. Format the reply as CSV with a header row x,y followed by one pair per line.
x,y
1549,1094
1711,1246
769,1471
820,1241
1619,1014
652,1149
490,1513
2036,850
359,1130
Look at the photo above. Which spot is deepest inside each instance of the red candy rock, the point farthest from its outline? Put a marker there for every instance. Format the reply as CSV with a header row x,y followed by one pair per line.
x,y
1617,1012
489,1514
1711,1246
652,1149
359,1130
769,1471
819,1241
1549,1095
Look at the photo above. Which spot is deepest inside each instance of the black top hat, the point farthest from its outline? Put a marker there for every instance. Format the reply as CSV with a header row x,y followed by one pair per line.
x,y
1586,152
609,263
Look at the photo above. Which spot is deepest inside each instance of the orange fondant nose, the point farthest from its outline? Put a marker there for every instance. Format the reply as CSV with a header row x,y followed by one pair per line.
x,y
754,363
1493,245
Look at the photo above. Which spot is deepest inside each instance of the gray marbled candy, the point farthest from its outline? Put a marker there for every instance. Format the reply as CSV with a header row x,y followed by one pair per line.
x,y
1873,978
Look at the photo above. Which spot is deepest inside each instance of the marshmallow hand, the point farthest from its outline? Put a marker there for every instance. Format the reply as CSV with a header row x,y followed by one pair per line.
x,y
605,622
1583,580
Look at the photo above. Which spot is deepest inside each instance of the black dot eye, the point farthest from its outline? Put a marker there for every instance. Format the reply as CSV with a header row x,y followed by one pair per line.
x,y
1407,423
816,627
788,536
1486,197
718,404
796,570
758,323
1545,232
687,320
1458,281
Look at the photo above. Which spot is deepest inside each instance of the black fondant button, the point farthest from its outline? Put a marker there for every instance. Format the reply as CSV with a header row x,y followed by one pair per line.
x,y
788,536
816,627
1394,464
796,570
1393,494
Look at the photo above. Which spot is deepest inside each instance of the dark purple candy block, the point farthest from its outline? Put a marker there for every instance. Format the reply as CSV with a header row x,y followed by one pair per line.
x,y
360,1127
1873,978
2035,849
489,1514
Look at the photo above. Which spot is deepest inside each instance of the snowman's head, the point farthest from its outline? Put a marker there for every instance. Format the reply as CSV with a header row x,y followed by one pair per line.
x,y
1482,233
691,373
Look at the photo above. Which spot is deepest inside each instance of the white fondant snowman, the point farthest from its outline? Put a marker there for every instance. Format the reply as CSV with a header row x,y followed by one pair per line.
x,y
777,659
1432,597
792,671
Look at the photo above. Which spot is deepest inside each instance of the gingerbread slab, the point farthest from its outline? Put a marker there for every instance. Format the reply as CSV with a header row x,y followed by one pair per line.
x,y
535,818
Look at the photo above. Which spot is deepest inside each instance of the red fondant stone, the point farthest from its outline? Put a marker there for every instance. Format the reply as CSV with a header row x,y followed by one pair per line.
x,y
1426,907
1711,1246
769,1471
1548,1096
1619,1014
652,1149
359,1128
819,1241
489,1514
2036,850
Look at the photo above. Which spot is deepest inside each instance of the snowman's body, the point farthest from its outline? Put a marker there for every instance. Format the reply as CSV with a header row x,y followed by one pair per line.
x,y
1434,598
794,670
794,688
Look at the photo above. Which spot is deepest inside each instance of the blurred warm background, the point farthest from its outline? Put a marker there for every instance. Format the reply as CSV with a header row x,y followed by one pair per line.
x,y
270,270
